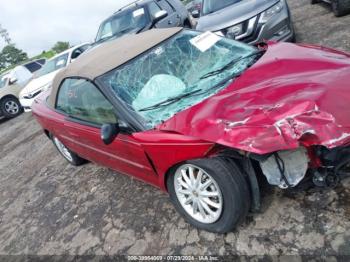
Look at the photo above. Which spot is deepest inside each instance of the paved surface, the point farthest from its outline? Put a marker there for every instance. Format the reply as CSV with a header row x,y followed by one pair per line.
x,y
49,207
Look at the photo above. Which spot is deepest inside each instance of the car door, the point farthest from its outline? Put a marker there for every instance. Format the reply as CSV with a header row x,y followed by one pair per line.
x,y
86,110
19,77
173,19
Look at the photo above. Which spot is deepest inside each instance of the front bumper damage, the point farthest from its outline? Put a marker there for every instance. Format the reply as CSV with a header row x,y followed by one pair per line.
x,y
325,167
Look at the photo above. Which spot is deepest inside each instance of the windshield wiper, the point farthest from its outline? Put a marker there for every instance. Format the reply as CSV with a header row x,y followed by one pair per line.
x,y
170,100
232,63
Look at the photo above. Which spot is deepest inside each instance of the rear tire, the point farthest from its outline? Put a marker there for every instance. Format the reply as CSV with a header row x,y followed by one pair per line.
x,y
341,7
69,155
10,107
227,196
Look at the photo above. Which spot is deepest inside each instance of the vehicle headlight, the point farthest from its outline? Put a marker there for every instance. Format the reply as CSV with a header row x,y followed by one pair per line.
x,y
46,87
269,13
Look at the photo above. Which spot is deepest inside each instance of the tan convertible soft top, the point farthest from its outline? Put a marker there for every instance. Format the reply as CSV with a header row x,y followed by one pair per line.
x,y
108,56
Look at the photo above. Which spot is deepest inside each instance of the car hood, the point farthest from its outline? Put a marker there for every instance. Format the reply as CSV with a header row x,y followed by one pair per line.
x,y
233,14
38,83
294,95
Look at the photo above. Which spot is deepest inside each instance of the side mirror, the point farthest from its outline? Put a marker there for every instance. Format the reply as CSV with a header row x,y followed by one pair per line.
x,y
109,132
13,80
159,16
195,14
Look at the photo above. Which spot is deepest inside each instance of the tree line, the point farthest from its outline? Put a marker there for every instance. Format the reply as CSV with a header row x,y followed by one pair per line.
x,y
10,55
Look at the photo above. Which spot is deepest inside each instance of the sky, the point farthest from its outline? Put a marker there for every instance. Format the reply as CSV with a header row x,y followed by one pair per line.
x,y
36,25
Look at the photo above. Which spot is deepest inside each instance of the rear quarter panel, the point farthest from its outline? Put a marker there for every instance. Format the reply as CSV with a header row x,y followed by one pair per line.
x,y
46,116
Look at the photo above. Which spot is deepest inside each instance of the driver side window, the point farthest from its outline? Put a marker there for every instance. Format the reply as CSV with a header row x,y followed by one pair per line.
x,y
82,100
153,8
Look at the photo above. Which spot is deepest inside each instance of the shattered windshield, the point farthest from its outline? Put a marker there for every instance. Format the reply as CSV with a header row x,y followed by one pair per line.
x,y
177,74
123,23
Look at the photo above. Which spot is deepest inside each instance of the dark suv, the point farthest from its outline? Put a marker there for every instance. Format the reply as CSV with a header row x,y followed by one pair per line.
x,y
247,21
144,15
340,7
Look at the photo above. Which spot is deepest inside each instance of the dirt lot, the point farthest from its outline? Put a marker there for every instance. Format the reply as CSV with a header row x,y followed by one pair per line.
x,y
49,207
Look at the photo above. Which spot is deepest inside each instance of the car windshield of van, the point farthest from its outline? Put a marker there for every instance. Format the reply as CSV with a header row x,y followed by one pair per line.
x,y
128,21
211,6
178,73
53,65
3,80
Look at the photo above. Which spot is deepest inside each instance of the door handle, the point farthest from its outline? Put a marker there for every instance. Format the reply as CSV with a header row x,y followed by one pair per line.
x,y
170,22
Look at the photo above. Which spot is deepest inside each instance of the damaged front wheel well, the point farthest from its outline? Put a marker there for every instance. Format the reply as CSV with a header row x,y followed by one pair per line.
x,y
248,167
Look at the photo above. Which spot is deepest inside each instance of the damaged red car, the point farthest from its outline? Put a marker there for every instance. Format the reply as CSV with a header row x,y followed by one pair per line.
x,y
203,117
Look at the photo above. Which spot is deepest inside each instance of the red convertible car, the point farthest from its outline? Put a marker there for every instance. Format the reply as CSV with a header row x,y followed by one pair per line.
x,y
203,117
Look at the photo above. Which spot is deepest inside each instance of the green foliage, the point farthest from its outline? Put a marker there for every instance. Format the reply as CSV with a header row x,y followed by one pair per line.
x,y
10,56
60,47
44,54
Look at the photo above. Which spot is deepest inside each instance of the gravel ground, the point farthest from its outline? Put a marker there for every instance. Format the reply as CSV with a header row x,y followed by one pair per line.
x,y
49,207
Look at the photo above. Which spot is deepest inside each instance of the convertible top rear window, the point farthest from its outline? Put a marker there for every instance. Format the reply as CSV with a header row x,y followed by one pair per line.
x,y
176,68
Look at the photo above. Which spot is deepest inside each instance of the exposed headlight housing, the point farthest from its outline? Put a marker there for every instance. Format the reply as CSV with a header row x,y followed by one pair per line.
x,y
269,13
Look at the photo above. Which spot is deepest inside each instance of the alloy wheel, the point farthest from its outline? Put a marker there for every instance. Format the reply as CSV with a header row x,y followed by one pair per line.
x,y
63,149
198,194
12,107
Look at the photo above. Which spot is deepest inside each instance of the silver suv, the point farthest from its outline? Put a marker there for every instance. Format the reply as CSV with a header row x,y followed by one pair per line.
x,y
11,84
249,21
144,15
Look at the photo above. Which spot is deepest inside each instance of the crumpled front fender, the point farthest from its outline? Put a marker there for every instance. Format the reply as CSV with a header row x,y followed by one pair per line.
x,y
294,95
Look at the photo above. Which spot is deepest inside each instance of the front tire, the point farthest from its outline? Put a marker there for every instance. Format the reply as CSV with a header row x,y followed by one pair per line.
x,y
69,155
211,194
341,7
10,107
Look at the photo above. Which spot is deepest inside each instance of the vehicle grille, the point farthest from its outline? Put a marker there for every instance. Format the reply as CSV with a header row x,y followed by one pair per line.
x,y
250,32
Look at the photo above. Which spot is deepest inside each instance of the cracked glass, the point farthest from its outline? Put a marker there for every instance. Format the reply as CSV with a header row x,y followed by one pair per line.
x,y
176,75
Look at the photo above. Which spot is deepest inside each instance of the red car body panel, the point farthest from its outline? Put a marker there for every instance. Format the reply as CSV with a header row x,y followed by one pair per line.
x,y
294,95
146,156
